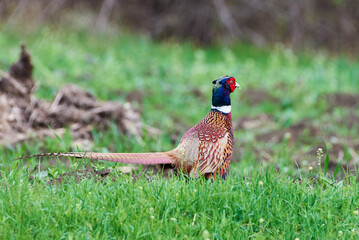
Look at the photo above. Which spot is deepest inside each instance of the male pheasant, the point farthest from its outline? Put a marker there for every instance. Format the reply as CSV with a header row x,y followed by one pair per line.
x,y
206,149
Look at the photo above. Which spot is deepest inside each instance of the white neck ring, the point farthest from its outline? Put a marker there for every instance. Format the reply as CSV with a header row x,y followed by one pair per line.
x,y
224,109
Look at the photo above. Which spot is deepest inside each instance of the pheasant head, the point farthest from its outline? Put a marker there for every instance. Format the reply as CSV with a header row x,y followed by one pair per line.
x,y
222,89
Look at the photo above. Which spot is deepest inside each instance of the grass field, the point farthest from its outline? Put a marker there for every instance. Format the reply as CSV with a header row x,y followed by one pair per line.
x,y
289,104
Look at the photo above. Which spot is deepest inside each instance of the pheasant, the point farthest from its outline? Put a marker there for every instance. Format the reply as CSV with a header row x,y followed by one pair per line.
x,y
205,149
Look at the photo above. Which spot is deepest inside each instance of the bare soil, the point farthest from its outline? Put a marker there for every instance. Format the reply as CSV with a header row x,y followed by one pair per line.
x,y
257,96
342,100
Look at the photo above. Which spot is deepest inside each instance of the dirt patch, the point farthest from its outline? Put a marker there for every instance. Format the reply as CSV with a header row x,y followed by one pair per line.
x,y
351,121
342,100
135,96
247,122
305,134
82,174
22,116
347,153
258,96
198,94
295,133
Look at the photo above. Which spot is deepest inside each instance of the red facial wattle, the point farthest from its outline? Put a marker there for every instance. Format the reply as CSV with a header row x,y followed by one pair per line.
x,y
232,83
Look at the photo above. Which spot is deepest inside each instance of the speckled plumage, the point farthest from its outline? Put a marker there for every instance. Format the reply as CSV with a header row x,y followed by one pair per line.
x,y
206,149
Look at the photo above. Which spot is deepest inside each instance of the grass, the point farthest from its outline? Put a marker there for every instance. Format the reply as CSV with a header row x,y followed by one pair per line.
x,y
175,81
176,208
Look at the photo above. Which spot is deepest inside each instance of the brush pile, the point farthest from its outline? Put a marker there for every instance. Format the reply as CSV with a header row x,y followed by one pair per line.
x,y
23,117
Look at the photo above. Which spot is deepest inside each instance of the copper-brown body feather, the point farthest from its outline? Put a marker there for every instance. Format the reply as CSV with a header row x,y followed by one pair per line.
x,y
206,149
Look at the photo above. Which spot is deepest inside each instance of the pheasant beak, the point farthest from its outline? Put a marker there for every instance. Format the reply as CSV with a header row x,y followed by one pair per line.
x,y
237,86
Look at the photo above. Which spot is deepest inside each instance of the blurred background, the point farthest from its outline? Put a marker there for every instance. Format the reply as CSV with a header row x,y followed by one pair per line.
x,y
295,60
329,24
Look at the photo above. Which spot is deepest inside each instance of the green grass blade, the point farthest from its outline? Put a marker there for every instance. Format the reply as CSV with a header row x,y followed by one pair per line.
x,y
337,168
58,138
326,161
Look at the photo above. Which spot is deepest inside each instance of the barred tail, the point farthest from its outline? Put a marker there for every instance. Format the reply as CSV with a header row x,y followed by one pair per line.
x,y
134,158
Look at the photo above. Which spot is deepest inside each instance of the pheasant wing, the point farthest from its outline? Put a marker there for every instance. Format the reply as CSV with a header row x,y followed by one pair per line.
x,y
212,143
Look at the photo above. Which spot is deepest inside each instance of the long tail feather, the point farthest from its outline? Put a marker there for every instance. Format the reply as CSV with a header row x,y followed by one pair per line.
x,y
135,158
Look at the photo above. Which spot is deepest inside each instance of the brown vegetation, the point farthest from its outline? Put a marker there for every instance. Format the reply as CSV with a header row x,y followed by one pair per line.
x,y
22,116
